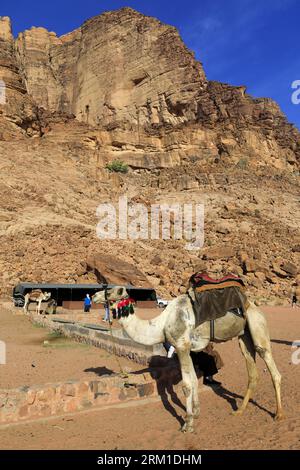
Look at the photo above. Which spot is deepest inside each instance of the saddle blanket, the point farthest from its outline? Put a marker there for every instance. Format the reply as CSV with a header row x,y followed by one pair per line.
x,y
216,297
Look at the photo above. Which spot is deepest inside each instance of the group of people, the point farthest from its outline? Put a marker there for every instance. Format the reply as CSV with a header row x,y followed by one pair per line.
x,y
122,308
208,361
118,309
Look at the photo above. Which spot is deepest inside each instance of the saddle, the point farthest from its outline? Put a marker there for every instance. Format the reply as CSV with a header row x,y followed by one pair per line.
x,y
215,297
35,293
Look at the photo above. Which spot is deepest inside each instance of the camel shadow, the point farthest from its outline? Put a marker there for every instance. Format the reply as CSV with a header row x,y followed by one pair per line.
x,y
167,374
281,341
232,397
166,382
168,396
101,371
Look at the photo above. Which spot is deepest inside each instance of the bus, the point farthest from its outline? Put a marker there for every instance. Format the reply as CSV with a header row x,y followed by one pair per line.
x,y
71,296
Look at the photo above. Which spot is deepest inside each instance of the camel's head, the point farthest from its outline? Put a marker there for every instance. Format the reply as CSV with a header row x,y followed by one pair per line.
x,y
47,295
113,294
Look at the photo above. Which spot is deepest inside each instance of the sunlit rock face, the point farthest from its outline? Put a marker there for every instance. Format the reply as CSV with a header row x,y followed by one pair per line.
x,y
132,78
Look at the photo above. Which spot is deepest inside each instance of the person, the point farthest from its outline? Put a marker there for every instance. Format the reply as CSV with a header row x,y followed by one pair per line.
x,y
294,299
120,309
107,312
128,306
114,309
170,350
208,361
87,303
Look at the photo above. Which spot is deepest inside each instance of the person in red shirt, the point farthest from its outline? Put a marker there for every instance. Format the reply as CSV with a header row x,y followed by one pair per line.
x,y
120,308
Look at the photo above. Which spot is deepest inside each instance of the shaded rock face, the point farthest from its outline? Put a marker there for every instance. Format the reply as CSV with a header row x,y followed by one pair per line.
x,y
133,78
17,111
112,270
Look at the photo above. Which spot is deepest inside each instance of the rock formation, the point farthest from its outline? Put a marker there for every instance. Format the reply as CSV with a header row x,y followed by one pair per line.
x,y
111,270
18,111
124,86
133,78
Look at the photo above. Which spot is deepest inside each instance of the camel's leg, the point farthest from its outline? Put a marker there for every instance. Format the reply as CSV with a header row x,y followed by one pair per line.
x,y
26,306
195,399
247,348
38,307
260,336
190,388
266,355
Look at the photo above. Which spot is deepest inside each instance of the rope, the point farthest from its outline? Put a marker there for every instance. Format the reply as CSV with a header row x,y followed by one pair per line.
x,y
123,374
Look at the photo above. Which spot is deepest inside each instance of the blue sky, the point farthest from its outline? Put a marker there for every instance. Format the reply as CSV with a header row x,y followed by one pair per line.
x,y
241,42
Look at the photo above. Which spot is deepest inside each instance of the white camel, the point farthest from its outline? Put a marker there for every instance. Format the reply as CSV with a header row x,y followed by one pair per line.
x,y
36,296
176,324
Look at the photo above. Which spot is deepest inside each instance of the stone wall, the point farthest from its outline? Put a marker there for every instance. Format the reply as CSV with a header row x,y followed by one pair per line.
x,y
117,342
54,399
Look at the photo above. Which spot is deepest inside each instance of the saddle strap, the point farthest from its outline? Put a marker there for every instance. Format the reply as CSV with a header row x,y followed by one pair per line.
x,y
212,330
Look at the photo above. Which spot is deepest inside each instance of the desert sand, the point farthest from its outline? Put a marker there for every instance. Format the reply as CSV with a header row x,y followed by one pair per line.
x,y
155,423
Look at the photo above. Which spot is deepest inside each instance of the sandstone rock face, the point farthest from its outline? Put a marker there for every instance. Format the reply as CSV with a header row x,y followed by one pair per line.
x,y
17,111
119,69
133,78
124,86
33,53
111,270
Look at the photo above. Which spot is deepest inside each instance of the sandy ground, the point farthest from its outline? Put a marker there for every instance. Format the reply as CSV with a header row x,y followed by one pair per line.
x,y
29,361
154,424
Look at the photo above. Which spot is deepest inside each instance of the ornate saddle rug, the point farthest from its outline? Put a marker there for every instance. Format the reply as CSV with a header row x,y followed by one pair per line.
x,y
215,297
35,294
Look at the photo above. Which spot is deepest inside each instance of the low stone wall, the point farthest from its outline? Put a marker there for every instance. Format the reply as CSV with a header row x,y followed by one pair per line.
x,y
120,344
41,401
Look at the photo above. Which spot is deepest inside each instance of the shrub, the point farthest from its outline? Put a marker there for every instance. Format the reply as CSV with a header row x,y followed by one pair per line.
x,y
257,213
243,163
117,166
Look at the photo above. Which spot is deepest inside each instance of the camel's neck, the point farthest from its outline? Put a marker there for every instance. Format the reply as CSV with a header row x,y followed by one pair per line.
x,y
147,332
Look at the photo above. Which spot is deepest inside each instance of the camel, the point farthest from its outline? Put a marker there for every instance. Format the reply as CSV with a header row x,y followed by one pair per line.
x,y
36,296
51,307
176,324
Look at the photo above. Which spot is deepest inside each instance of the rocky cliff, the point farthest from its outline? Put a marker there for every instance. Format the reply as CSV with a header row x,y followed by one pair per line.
x,y
124,86
133,78
18,111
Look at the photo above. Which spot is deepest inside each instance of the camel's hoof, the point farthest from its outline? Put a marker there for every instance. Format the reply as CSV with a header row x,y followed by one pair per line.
x,y
279,417
237,412
187,428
